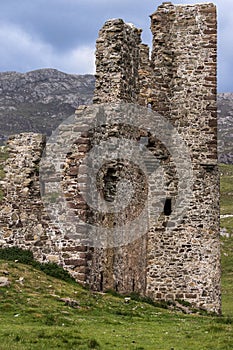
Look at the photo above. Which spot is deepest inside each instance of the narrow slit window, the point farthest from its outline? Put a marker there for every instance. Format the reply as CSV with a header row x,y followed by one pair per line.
x,y
101,281
168,207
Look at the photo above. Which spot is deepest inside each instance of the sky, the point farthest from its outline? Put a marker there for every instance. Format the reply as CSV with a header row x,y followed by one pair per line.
x,y
61,34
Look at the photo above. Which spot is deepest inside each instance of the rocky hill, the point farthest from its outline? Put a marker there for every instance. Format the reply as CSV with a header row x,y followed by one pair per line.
x,y
39,100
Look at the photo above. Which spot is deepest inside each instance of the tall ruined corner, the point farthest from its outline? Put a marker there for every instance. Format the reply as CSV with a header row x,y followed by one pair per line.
x,y
117,62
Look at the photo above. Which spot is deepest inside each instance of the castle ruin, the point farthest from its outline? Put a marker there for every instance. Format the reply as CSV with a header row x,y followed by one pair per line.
x,y
178,81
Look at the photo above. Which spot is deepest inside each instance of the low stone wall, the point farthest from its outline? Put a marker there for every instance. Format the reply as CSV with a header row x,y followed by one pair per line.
x,y
23,219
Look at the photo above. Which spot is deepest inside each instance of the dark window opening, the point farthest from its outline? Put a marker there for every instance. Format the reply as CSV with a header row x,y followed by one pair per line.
x,y
110,183
209,167
133,286
101,281
168,207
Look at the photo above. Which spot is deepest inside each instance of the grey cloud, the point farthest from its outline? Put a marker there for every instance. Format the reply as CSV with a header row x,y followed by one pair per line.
x,y
60,30
22,52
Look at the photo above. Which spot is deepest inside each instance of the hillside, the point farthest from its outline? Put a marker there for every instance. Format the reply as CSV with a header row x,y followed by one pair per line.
x,y
40,100
225,127
42,312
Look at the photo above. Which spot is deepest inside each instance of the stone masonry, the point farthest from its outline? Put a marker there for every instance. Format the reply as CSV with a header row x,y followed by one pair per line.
x,y
178,81
184,64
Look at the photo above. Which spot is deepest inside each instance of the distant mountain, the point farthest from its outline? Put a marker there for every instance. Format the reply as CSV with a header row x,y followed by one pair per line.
x,y
40,100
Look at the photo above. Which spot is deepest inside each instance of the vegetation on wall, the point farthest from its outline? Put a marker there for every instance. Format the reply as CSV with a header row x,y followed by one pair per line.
x,y
26,257
3,157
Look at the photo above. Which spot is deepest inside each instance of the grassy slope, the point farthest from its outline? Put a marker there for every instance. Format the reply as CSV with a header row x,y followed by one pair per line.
x,y
227,196
33,317
227,243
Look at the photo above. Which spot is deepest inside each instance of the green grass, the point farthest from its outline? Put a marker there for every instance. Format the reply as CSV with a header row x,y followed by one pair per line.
x,y
226,189
228,224
33,317
227,276
226,203
226,199
26,257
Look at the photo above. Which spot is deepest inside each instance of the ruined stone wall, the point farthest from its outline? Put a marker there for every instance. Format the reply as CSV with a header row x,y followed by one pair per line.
x,y
21,213
145,72
23,219
119,67
184,63
186,264
178,82
122,269
117,61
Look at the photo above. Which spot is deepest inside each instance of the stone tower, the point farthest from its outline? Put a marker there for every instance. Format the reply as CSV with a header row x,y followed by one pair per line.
x,y
184,64
178,81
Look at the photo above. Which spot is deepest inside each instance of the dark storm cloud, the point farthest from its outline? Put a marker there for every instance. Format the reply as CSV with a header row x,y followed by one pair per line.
x,y
65,23
59,23
61,33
